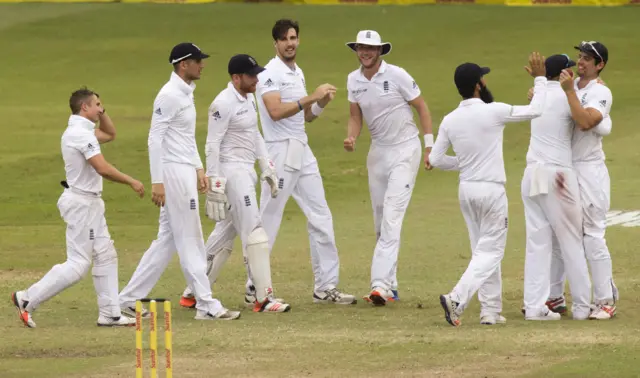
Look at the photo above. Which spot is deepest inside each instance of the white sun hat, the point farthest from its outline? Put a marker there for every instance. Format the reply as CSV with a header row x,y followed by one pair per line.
x,y
370,38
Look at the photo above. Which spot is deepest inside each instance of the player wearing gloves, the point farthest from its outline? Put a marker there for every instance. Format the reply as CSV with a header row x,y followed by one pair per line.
x,y
233,145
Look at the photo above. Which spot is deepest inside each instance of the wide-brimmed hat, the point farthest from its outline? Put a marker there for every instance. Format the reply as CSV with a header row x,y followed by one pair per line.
x,y
370,38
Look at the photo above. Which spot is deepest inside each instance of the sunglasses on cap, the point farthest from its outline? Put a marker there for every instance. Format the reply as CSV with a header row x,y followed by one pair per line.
x,y
590,44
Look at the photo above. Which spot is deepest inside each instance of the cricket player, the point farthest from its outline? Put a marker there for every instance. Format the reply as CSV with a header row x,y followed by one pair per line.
x,y
284,108
552,207
177,174
590,102
82,208
382,94
475,131
234,143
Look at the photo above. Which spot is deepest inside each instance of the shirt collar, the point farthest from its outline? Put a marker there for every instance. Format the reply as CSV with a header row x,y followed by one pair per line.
x,y
77,120
381,70
233,89
470,101
181,84
590,83
551,83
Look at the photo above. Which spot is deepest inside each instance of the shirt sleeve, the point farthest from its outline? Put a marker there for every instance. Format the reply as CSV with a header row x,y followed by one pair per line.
x,y
350,96
516,113
219,116
407,86
438,157
164,110
600,99
604,127
267,82
89,146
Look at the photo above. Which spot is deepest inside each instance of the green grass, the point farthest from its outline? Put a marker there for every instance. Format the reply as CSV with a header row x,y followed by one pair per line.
x,y
121,51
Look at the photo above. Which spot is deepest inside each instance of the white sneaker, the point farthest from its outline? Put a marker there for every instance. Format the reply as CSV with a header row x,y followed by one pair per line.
x,y
25,316
492,319
131,312
549,315
271,305
121,321
250,297
224,314
380,296
603,312
333,296
450,310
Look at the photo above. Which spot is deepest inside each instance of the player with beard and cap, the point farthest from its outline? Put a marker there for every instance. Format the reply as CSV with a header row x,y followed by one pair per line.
x,y
284,108
234,143
590,103
552,207
176,169
475,130
382,95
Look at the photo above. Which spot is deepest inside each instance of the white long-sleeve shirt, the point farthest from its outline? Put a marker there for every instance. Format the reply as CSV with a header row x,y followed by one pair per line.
x,y
79,144
551,133
475,130
384,101
172,136
233,134
278,77
587,145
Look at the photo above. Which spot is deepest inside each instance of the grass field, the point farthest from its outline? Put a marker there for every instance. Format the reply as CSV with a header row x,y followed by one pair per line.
x,y
121,51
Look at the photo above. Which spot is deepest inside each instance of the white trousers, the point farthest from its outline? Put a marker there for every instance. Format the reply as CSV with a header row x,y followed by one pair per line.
x,y
244,214
88,241
180,230
553,213
595,195
392,175
299,176
485,210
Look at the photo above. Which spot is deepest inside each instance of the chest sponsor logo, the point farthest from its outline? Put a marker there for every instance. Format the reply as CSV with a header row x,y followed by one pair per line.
x,y
242,111
623,218
358,91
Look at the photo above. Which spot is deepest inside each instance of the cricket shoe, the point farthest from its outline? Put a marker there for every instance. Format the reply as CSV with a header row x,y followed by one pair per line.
x,y
271,305
131,312
188,302
250,299
118,321
396,297
380,296
450,310
544,315
21,305
333,296
603,312
557,305
223,314
492,319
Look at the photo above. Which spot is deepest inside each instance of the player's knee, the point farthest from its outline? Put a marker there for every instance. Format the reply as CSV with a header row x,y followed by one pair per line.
x,y
80,268
258,236
104,259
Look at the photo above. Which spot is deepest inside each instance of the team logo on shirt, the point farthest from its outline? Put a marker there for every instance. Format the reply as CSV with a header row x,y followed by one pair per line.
x,y
414,84
92,235
192,204
247,201
158,111
216,115
506,222
90,147
385,86
281,183
268,83
603,103
583,100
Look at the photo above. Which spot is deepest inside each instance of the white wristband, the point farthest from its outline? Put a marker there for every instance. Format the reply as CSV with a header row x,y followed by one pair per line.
x,y
428,140
316,109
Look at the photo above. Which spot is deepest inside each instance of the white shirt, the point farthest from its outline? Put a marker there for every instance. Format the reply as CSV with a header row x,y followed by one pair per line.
x,y
475,131
551,133
587,145
172,136
79,144
384,103
233,130
277,76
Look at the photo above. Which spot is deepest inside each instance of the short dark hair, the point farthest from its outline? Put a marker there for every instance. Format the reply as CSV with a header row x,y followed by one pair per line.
x,y
281,28
79,97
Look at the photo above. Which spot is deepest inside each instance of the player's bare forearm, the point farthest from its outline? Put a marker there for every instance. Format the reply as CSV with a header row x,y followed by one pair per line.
x,y
585,119
106,132
282,110
354,127
108,171
308,115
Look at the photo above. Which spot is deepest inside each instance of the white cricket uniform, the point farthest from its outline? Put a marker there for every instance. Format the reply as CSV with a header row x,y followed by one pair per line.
x,y
233,145
553,212
298,173
88,240
475,130
595,194
393,160
174,158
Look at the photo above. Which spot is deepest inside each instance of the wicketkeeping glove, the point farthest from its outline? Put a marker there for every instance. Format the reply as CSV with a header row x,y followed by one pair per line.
x,y
216,203
269,175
